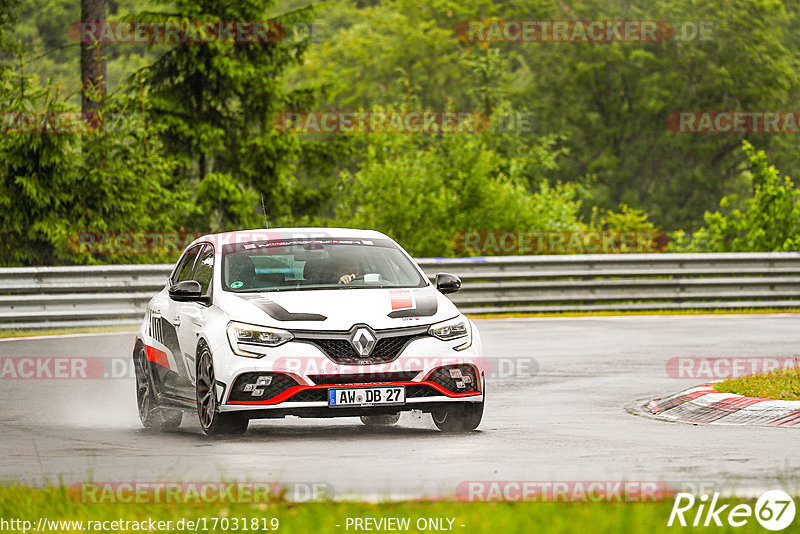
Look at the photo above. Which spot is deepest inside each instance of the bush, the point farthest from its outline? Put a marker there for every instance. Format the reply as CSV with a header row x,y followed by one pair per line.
x,y
55,186
769,221
426,194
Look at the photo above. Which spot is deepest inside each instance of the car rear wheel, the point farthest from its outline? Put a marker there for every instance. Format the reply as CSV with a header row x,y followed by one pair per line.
x,y
213,422
151,415
458,417
380,420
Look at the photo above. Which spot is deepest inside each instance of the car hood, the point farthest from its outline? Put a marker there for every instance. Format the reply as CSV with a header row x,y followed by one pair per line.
x,y
339,309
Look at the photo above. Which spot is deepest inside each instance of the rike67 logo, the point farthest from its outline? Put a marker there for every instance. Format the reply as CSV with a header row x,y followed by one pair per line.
x,y
774,510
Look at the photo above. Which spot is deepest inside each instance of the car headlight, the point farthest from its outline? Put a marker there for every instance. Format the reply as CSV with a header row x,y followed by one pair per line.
x,y
455,328
254,341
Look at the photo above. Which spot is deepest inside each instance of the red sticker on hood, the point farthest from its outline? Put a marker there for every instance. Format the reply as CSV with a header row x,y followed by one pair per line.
x,y
402,299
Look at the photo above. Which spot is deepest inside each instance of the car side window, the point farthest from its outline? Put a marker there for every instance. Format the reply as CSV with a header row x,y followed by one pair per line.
x,y
205,269
186,265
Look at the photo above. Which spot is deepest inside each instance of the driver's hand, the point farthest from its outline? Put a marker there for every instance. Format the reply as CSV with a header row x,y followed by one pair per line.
x,y
346,279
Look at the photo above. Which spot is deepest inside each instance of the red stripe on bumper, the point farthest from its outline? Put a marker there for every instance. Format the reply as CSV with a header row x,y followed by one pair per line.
x,y
277,399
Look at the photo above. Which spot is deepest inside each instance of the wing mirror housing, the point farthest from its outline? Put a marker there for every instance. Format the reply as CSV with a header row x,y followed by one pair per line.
x,y
187,291
447,283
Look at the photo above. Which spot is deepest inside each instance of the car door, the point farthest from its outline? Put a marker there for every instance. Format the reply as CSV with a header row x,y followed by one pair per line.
x,y
192,315
177,382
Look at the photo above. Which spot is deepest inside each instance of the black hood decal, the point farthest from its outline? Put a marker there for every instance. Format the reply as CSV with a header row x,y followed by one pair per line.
x,y
416,303
278,312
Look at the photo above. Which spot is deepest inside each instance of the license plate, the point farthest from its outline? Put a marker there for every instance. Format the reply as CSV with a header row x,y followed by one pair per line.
x,y
378,396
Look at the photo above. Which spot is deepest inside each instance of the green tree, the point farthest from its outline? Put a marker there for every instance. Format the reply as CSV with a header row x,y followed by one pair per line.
x,y
426,194
216,102
57,184
613,100
606,104
767,221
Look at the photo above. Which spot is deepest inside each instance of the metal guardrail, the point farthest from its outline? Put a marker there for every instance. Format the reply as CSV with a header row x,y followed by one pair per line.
x,y
44,297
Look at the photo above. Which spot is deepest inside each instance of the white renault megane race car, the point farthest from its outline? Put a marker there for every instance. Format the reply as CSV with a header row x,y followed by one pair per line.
x,y
310,322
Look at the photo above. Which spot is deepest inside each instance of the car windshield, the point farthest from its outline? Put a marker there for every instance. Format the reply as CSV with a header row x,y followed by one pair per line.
x,y
316,264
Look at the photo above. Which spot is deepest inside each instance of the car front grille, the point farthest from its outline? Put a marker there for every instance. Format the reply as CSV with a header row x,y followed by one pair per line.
x,y
342,352
414,391
364,378
310,395
337,347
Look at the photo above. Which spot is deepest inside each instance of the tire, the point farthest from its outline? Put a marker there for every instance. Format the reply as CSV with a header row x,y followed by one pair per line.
x,y
380,420
211,420
150,413
458,417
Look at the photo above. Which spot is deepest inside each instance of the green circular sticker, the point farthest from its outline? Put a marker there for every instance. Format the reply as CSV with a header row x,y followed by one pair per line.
x,y
237,285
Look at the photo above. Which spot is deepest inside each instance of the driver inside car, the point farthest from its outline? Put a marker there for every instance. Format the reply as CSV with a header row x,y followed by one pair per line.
x,y
346,269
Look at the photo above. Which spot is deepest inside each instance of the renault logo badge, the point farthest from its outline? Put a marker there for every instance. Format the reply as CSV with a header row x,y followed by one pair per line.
x,y
363,340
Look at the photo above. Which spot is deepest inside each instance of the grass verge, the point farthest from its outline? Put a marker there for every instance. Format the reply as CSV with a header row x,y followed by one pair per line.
x,y
780,384
63,331
55,504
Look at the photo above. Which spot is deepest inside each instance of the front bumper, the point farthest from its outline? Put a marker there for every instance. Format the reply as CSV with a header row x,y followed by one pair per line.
x,y
423,391
302,375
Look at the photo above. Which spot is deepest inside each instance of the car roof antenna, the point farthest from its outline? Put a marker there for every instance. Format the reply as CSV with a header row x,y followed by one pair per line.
x,y
266,224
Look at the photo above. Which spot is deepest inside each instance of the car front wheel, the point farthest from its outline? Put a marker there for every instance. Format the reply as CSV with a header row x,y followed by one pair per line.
x,y
380,420
213,422
458,417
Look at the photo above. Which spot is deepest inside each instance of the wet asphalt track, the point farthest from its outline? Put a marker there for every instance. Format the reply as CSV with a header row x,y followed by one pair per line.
x,y
572,421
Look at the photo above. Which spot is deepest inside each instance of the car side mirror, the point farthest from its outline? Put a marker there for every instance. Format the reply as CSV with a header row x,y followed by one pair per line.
x,y
186,291
447,283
